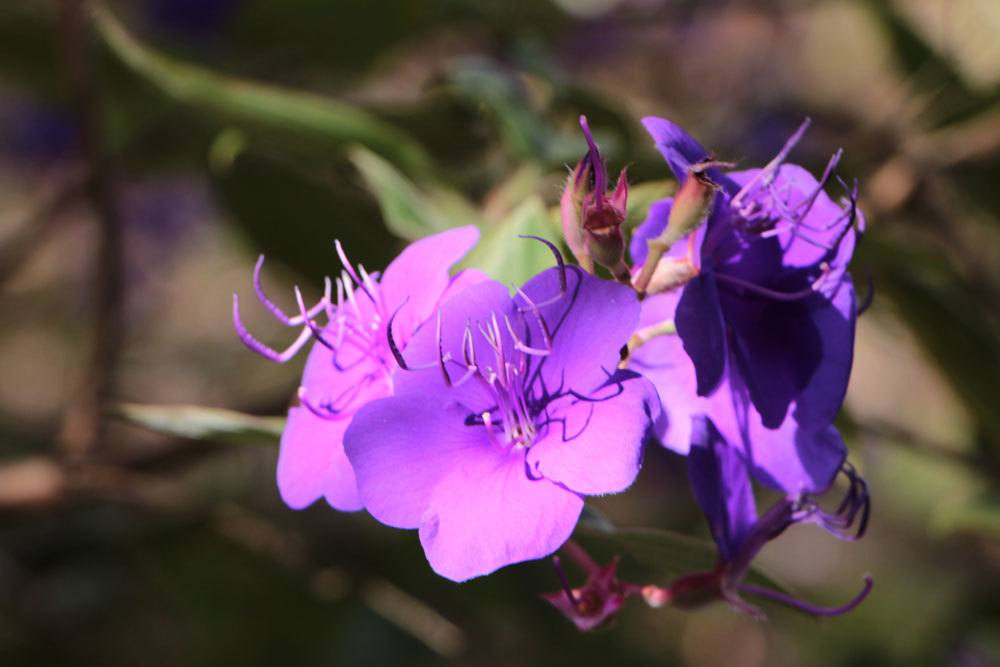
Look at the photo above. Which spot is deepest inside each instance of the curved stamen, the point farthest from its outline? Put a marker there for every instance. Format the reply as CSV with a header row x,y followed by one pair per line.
x,y
534,310
346,263
397,355
274,308
775,294
807,607
317,334
259,347
521,345
560,263
767,172
442,357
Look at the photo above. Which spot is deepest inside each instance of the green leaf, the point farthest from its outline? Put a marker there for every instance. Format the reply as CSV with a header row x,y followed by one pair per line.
x,y
202,423
410,212
512,260
318,121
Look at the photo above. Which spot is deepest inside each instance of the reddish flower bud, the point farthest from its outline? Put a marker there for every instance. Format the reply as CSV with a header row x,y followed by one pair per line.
x,y
593,604
592,219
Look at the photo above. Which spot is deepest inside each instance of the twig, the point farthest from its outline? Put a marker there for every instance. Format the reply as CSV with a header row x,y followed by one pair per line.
x,y
84,423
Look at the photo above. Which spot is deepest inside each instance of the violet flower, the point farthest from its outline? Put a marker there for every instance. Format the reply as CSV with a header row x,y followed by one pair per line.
x,y
351,362
721,484
766,318
517,411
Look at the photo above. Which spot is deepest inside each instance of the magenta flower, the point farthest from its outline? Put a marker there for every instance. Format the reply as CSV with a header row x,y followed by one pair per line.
x,y
518,412
721,484
767,321
351,362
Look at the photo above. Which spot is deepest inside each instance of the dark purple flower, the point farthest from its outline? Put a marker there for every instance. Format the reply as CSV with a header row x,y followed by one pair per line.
x,y
351,362
721,484
767,320
518,412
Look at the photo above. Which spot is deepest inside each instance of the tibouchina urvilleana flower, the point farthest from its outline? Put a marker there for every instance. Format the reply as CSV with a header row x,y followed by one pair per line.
x,y
351,362
765,319
512,411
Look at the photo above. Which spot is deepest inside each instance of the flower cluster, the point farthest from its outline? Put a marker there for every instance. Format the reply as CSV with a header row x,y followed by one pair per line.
x,y
482,415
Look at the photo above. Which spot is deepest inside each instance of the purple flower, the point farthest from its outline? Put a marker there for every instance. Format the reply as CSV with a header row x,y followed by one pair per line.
x,y
767,321
721,484
351,362
517,412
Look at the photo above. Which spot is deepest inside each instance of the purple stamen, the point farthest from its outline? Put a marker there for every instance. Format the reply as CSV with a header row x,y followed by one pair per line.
x,y
521,345
534,310
397,355
344,262
560,262
259,347
564,582
806,607
775,294
442,357
317,334
767,173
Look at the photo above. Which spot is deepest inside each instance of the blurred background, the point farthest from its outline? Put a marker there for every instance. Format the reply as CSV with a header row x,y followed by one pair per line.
x,y
151,149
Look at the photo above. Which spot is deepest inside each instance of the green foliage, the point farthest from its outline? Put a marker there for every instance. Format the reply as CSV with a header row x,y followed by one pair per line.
x,y
509,259
410,213
310,119
201,423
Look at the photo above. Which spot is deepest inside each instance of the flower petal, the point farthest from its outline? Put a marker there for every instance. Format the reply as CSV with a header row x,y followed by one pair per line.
x,y
589,325
401,447
822,398
312,464
654,224
777,346
788,458
663,361
486,513
416,279
677,147
701,328
721,485
595,446
469,308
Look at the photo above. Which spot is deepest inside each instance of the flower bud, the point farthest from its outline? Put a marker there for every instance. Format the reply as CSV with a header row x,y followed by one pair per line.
x,y
591,219
570,205
602,226
692,203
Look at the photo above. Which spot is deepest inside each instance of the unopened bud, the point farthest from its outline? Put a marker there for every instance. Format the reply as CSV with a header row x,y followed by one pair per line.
x,y
570,206
602,226
691,207
591,219
692,203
